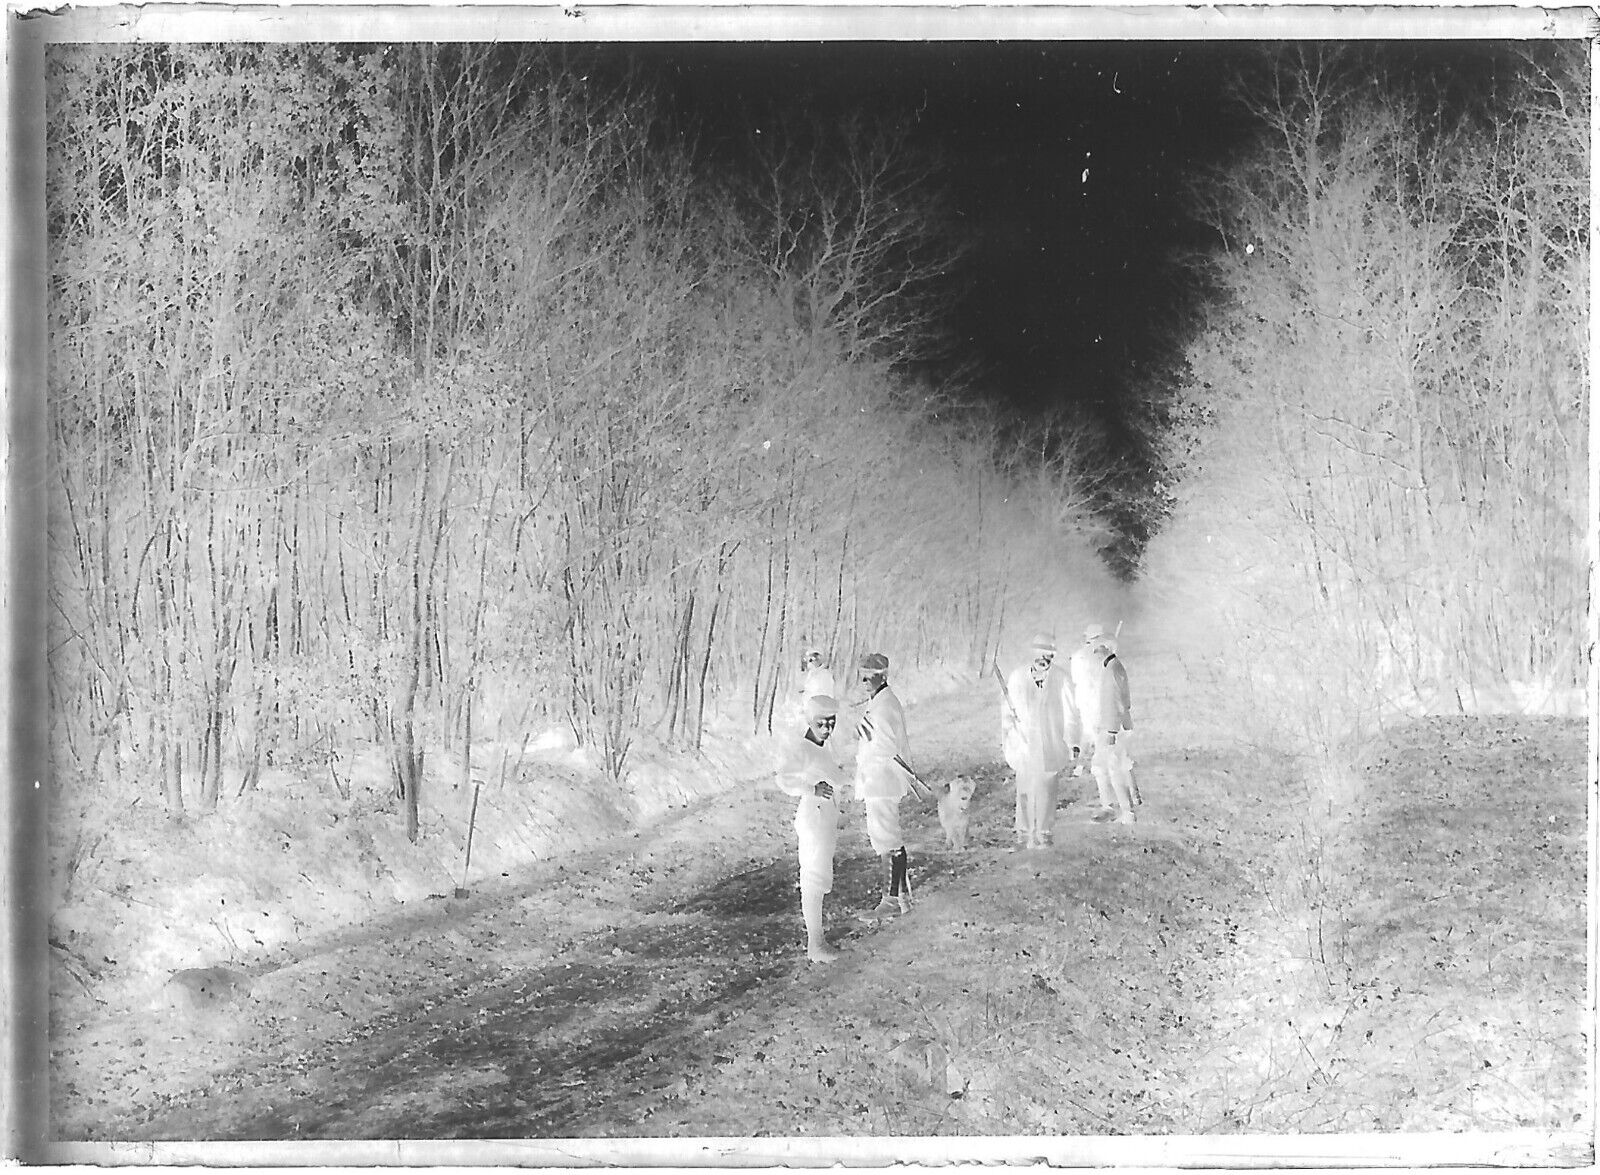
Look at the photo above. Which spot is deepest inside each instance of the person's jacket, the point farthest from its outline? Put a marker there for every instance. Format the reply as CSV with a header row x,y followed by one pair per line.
x,y
801,765
1037,738
881,736
1115,710
1085,667
816,680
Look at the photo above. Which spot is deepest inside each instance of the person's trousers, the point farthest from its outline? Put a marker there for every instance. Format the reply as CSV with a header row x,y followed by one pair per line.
x,y
1045,797
1113,771
883,824
816,827
1038,792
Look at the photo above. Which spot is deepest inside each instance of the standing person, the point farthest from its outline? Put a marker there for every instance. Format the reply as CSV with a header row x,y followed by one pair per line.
x,y
1038,736
1113,717
815,677
882,778
1085,666
807,769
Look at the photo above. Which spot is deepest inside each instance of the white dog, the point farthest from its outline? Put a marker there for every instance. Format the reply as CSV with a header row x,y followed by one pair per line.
x,y
954,798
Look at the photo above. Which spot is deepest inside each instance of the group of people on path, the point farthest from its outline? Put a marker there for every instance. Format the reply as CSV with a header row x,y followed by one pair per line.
x,y
1052,716
1049,715
808,770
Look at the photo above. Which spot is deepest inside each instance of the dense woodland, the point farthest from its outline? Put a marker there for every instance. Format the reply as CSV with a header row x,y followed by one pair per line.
x,y
410,394
1377,457
425,395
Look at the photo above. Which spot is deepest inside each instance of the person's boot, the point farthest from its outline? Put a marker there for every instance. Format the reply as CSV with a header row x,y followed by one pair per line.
x,y
1105,789
1044,815
1125,801
900,880
887,907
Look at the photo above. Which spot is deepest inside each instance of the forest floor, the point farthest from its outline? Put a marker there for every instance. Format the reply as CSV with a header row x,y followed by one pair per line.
x,y
1249,958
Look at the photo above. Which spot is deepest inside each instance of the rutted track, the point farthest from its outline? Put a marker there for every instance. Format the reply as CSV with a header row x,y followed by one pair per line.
x,y
527,1053
1146,980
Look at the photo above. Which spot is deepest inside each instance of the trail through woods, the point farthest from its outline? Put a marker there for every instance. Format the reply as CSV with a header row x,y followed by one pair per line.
x,y
1245,958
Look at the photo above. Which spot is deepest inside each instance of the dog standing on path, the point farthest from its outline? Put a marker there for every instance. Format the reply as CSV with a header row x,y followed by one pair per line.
x,y
954,799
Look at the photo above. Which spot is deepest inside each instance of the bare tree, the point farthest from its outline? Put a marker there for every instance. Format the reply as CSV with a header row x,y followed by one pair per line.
x,y
1367,406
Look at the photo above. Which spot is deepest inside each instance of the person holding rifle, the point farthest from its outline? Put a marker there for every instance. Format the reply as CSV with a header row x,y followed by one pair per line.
x,y
882,777
1039,736
808,770
1113,719
1085,666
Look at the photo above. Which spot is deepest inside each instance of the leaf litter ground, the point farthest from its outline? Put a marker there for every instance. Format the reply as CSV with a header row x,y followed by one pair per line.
x,y
1246,958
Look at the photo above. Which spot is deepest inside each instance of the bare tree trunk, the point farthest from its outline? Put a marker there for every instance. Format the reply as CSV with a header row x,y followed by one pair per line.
x,y
766,629
838,596
405,755
211,756
724,555
677,688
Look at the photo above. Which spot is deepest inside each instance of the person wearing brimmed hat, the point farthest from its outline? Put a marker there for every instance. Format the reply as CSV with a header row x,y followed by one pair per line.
x,y
808,770
882,778
1112,719
1038,728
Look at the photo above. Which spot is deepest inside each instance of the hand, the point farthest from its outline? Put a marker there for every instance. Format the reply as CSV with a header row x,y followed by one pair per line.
x,y
824,789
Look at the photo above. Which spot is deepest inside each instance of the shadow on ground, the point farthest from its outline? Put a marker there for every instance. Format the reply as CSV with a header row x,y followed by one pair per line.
x,y
530,1053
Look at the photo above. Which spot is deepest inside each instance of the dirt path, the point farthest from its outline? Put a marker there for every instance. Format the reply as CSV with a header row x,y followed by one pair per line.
x,y
526,1052
513,1012
667,982
1144,980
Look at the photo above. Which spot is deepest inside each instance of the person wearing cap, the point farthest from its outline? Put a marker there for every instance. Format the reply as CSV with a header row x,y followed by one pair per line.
x,y
1039,733
815,678
882,778
1085,666
807,769
1113,719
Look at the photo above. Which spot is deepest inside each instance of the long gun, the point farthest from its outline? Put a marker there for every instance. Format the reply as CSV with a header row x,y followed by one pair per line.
x,y
1005,692
919,787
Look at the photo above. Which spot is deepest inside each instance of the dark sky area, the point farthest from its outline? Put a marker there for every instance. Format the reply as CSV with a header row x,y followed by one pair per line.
x,y
1073,285
1071,279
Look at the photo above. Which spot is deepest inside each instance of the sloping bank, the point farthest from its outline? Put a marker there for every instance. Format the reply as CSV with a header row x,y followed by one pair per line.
x,y
279,871
1425,967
